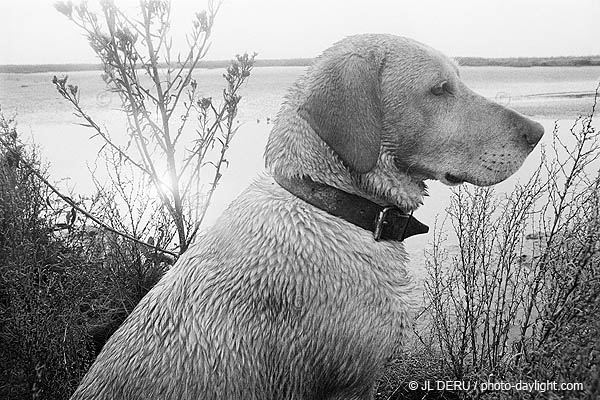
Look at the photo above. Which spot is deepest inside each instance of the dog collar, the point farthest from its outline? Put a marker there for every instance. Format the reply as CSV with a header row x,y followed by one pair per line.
x,y
386,223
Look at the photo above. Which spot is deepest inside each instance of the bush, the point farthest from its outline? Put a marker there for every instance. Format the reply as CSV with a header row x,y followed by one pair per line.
x,y
64,287
44,284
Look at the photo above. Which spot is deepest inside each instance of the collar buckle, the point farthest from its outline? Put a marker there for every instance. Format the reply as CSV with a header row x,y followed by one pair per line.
x,y
381,221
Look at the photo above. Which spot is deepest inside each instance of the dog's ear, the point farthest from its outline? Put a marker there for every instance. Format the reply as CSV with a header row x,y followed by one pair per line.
x,y
343,107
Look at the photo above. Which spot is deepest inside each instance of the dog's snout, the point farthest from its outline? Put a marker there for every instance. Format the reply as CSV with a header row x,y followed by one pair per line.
x,y
530,131
533,132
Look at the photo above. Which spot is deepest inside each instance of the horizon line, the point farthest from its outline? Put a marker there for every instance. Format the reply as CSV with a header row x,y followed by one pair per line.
x,y
522,61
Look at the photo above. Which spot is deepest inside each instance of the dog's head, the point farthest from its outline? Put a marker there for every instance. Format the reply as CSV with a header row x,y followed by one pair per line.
x,y
374,94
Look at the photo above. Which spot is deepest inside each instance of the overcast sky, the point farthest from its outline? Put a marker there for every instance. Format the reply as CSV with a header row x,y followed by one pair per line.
x,y
32,32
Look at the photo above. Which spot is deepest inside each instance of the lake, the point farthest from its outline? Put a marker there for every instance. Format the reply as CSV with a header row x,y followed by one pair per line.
x,y
547,94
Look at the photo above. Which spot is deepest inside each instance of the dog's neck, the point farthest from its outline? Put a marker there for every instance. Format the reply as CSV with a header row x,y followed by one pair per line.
x,y
295,150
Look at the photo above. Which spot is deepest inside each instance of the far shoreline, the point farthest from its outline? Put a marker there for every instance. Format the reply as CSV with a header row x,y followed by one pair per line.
x,y
517,62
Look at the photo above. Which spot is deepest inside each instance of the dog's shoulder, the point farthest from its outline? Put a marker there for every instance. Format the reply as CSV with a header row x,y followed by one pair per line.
x,y
268,223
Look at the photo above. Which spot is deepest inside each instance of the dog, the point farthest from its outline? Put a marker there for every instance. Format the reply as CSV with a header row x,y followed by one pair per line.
x,y
301,288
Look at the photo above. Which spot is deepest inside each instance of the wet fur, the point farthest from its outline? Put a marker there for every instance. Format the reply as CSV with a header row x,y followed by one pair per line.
x,y
280,300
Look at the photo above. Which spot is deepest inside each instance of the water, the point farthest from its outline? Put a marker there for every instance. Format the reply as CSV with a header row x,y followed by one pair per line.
x,y
546,94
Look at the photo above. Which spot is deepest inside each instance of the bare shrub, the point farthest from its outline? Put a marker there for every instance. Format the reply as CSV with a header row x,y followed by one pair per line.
x,y
160,98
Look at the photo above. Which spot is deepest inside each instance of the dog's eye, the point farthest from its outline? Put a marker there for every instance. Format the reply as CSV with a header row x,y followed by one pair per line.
x,y
442,88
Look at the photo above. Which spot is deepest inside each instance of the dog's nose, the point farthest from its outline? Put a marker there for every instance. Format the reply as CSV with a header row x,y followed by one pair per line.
x,y
533,132
530,131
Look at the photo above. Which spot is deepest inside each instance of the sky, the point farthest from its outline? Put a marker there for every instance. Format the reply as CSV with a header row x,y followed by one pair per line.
x,y
33,32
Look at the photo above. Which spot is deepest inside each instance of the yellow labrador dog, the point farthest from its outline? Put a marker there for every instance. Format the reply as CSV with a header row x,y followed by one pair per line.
x,y
300,290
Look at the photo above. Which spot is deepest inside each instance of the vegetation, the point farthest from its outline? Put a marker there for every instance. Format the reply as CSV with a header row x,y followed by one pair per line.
x,y
43,283
65,285
580,61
